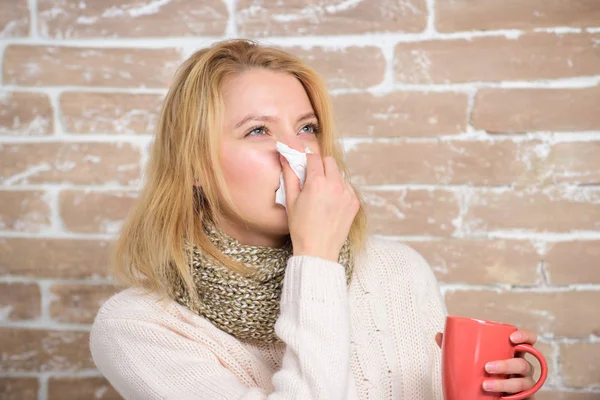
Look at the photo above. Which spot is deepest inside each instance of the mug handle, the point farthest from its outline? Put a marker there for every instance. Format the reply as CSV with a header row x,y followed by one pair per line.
x,y
527,348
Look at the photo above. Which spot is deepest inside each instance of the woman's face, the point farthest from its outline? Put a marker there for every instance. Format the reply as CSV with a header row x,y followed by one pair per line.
x,y
261,108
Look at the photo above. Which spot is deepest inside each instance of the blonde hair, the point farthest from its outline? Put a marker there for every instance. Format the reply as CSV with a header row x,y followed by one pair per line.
x,y
150,251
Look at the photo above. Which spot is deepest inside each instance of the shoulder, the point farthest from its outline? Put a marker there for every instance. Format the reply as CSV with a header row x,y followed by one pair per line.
x,y
403,278
396,263
135,306
137,316
131,303
398,256
153,349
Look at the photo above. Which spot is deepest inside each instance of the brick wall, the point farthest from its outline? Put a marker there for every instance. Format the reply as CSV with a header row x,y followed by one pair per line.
x,y
473,127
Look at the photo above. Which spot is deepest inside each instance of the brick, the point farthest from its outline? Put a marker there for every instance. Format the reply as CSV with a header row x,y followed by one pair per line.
x,y
548,352
110,112
77,163
400,114
268,18
33,350
571,209
349,67
493,58
54,258
95,212
19,388
529,110
565,313
77,66
457,162
129,18
481,262
547,395
581,363
76,303
411,212
19,301
24,211
25,114
14,18
465,15
573,262
81,389
574,162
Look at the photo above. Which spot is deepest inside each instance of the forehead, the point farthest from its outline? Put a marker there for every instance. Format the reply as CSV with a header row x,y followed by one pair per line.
x,y
265,92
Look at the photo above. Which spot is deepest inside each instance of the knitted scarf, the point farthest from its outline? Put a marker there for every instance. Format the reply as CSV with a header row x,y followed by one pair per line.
x,y
243,306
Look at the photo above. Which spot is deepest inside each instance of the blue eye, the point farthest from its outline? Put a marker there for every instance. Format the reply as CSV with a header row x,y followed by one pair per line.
x,y
314,128
256,131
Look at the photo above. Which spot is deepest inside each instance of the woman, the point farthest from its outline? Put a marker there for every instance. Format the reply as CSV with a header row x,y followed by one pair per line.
x,y
233,296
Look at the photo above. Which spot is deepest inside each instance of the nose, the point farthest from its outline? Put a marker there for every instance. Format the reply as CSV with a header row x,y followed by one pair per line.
x,y
295,141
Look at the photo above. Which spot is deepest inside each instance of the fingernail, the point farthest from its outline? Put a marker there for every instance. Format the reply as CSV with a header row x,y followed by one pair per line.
x,y
491,367
515,337
488,385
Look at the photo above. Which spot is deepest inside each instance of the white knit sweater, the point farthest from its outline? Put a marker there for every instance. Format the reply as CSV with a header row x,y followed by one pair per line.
x,y
373,339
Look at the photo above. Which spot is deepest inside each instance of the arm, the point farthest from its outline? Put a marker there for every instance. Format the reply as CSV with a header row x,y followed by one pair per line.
x,y
145,360
433,312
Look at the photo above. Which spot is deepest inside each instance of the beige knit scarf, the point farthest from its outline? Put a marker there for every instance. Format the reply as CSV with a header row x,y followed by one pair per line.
x,y
245,307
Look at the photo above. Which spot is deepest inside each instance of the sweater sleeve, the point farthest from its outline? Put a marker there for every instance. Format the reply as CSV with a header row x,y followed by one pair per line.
x,y
433,310
145,360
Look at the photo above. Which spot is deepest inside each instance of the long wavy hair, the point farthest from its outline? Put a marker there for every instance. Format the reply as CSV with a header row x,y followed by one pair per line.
x,y
151,250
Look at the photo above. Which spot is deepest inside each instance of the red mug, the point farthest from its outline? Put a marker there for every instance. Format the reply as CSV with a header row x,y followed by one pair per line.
x,y
468,345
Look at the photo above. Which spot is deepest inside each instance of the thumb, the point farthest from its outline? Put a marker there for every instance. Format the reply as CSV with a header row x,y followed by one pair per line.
x,y
291,182
439,337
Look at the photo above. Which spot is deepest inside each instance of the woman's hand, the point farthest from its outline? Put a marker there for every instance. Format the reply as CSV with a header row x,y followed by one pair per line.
x,y
518,366
319,216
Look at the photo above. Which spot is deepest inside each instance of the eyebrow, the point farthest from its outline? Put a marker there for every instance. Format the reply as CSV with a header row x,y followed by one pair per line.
x,y
271,119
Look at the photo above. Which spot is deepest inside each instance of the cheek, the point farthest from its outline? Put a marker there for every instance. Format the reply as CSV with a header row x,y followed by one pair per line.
x,y
250,172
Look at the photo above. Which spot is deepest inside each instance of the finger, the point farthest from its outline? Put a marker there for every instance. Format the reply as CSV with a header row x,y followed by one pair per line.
x,y
518,366
291,182
331,168
350,187
314,166
438,339
514,385
523,336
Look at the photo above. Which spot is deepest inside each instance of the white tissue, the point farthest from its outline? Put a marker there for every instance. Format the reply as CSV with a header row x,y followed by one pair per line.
x,y
297,161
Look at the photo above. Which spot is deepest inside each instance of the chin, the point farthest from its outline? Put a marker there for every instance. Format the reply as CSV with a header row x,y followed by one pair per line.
x,y
279,222
272,221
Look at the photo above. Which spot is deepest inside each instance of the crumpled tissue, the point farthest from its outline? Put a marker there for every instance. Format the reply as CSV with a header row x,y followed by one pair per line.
x,y
297,161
